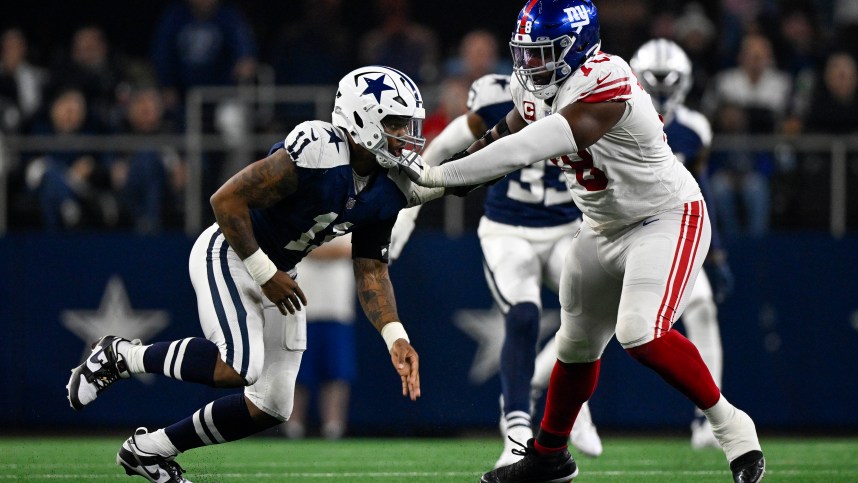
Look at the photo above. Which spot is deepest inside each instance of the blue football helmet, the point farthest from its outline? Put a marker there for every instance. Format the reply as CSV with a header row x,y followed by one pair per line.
x,y
664,71
371,98
551,40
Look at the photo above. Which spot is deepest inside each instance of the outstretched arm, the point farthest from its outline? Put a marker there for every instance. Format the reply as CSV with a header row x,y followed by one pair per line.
x,y
575,127
259,185
375,292
459,133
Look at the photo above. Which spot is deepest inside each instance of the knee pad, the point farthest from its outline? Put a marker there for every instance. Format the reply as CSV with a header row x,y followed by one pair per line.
x,y
572,351
274,391
634,330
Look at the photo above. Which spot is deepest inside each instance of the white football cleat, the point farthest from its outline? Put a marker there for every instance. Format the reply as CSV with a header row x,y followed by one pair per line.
x,y
584,436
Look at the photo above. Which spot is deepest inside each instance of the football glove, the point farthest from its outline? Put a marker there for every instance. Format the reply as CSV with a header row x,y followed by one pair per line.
x,y
416,169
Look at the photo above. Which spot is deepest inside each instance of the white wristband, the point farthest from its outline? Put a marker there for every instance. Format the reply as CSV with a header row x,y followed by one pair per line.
x,y
261,267
393,331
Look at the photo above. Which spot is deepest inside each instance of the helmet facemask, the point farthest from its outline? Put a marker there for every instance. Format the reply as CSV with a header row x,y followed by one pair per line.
x,y
406,146
666,88
535,65
541,66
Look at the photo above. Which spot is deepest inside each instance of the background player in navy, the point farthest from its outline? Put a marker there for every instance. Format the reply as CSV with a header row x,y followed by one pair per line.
x,y
526,230
664,71
324,180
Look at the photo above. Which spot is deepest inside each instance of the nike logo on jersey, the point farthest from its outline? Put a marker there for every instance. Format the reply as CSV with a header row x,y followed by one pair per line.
x,y
647,222
602,79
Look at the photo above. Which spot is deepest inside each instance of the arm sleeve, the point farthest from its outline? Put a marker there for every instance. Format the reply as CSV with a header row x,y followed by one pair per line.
x,y
547,138
454,138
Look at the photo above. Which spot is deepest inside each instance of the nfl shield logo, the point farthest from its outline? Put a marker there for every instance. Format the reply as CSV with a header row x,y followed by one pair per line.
x,y
350,203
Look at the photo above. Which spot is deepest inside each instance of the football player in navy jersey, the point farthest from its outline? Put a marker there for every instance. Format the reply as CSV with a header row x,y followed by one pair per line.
x,y
526,230
664,71
324,180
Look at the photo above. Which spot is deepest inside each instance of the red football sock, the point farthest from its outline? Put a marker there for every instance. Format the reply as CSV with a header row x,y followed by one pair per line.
x,y
571,385
678,362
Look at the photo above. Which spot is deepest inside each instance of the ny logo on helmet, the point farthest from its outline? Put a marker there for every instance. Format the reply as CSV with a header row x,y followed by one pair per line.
x,y
578,16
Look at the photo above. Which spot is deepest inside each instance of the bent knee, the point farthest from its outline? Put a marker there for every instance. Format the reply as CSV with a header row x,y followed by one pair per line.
x,y
634,330
575,350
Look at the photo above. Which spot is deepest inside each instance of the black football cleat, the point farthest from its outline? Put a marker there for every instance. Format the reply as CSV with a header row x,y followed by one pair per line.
x,y
748,468
100,370
155,468
557,467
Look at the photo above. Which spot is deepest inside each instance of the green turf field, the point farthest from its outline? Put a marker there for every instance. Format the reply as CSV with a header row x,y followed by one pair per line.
x,y
637,459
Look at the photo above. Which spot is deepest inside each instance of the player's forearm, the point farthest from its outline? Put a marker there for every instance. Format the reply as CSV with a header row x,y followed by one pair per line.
x,y
547,138
233,218
375,291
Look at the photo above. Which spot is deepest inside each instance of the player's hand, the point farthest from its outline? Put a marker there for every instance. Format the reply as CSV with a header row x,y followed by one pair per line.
x,y
285,293
407,365
419,172
721,276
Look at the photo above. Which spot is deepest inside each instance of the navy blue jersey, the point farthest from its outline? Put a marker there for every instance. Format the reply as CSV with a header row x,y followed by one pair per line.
x,y
535,196
326,204
688,133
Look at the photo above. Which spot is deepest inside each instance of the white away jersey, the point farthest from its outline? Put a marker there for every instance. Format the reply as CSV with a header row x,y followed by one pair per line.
x,y
630,173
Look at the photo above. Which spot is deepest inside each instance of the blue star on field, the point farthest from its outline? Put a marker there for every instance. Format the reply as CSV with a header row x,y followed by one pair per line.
x,y
376,87
502,82
334,138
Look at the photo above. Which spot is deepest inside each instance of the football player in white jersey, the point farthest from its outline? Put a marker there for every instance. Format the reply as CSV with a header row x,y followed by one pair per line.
x,y
664,71
645,234
525,232
326,179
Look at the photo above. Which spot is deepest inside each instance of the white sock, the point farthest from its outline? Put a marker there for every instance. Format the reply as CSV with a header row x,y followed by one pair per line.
x,y
733,428
132,352
157,443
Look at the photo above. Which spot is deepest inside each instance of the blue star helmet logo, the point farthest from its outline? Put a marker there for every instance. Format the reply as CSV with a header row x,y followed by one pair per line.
x,y
376,87
336,140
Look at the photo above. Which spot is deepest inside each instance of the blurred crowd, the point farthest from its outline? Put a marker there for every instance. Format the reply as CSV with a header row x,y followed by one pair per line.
x,y
760,67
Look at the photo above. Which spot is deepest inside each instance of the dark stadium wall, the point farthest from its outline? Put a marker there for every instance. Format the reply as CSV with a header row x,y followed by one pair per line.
x,y
790,330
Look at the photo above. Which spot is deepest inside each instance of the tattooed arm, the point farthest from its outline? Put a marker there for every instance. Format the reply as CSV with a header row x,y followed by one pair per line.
x,y
375,292
259,185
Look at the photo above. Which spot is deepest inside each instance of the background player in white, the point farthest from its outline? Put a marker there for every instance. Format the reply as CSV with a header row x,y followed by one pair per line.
x,y
324,180
644,237
664,71
525,232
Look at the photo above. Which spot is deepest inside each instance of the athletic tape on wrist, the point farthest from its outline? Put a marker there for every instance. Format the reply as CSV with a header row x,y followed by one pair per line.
x,y
261,267
393,331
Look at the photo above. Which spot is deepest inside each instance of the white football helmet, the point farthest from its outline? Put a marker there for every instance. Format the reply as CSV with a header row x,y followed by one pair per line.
x,y
664,71
368,95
